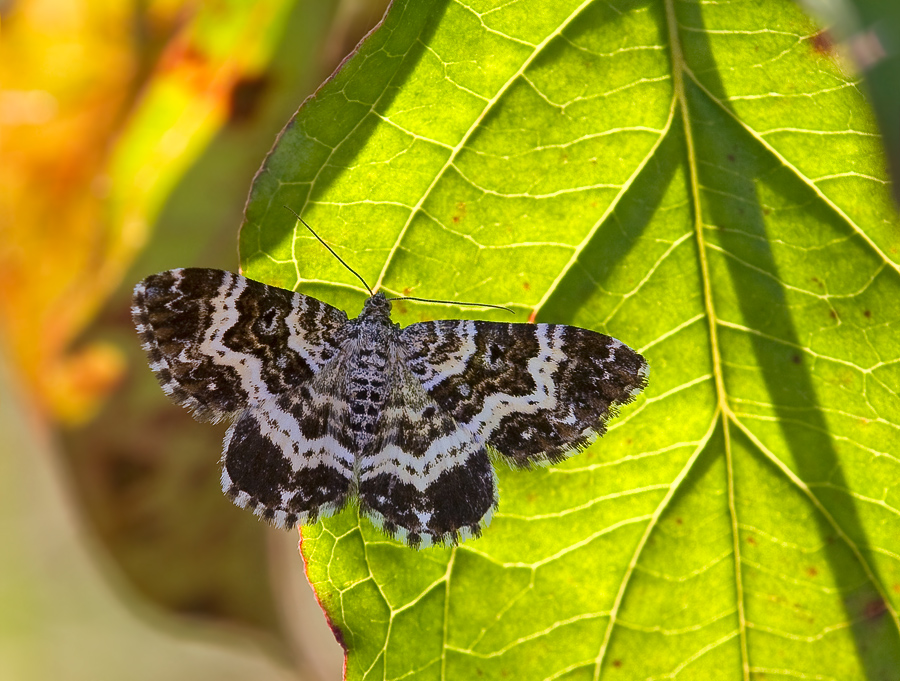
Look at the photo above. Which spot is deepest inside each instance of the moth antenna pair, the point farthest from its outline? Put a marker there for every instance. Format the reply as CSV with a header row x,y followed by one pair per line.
x,y
331,250
369,289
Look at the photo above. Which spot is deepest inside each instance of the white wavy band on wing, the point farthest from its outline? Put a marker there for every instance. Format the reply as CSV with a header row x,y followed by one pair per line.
x,y
542,368
311,354
446,452
455,362
275,424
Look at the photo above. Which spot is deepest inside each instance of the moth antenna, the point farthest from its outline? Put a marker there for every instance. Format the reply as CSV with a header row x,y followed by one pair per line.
x,y
331,250
454,302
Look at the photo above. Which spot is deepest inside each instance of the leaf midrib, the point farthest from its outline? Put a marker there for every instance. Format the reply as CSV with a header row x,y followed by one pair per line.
x,y
679,67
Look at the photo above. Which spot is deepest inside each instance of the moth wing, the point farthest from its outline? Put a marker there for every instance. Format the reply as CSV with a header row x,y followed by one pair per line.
x,y
425,478
535,393
225,346
290,460
219,342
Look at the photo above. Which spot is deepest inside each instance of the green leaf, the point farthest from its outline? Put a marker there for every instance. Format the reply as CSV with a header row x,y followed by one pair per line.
x,y
697,180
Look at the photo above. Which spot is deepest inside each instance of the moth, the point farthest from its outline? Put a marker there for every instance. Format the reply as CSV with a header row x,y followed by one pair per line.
x,y
327,410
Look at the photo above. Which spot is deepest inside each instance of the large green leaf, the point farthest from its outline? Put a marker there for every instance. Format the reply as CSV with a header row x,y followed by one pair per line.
x,y
699,181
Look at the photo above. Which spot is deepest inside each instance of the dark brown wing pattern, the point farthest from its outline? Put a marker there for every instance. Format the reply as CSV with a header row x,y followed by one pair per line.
x,y
534,392
219,342
228,347
426,478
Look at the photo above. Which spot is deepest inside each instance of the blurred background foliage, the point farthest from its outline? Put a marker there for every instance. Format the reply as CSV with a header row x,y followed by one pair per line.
x,y
129,133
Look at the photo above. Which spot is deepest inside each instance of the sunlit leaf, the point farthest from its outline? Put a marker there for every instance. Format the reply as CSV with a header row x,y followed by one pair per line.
x,y
700,181
869,32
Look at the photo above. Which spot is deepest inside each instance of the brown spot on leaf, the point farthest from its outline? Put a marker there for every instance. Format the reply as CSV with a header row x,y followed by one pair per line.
x,y
796,359
617,663
461,212
833,314
822,43
679,521
875,608
812,571
751,540
338,633
526,286
867,314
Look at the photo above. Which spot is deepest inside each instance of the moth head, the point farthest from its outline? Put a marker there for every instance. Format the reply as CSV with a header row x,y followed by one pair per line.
x,y
377,305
